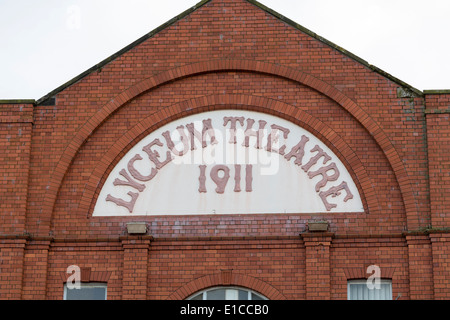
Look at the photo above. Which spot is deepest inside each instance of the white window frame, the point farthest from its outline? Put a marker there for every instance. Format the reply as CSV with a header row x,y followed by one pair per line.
x,y
231,293
88,285
364,282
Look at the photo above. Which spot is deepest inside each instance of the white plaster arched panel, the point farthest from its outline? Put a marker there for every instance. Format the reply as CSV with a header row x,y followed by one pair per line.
x,y
228,162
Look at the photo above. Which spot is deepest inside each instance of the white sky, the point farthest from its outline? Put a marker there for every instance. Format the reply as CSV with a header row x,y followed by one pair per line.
x,y
45,43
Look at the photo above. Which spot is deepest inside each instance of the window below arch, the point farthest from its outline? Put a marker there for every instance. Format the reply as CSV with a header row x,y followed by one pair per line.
x,y
361,290
86,291
227,293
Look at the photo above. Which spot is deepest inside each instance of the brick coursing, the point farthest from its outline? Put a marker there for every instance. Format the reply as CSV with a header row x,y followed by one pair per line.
x,y
226,54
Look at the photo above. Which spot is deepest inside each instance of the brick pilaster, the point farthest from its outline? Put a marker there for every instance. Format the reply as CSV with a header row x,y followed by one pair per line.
x,y
16,126
135,267
36,269
420,267
11,268
438,135
440,243
317,265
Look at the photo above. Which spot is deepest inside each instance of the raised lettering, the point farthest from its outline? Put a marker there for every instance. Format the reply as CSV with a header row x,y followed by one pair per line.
x,y
207,130
251,133
313,160
135,174
122,203
298,151
129,181
233,121
325,177
334,192
274,138
324,171
221,182
154,155
171,145
248,177
237,178
202,179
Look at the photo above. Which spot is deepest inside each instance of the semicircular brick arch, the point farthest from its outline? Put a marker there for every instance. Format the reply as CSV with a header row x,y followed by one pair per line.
x,y
226,278
224,101
231,65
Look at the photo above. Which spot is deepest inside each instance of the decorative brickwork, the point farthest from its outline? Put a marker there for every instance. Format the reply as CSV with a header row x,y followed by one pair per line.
x,y
393,140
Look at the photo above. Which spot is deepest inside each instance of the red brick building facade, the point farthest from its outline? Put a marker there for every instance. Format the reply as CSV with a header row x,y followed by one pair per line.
x,y
58,151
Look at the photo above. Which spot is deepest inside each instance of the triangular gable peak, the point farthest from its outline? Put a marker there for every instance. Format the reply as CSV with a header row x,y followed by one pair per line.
x,y
49,98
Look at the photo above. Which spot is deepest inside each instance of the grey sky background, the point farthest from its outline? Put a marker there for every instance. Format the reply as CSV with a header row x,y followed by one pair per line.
x,y
45,43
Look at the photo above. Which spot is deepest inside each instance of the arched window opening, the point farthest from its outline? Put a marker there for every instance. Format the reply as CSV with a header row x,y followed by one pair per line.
x,y
227,293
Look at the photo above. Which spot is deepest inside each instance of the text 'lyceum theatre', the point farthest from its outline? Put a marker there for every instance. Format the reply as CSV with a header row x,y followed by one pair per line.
x,y
230,154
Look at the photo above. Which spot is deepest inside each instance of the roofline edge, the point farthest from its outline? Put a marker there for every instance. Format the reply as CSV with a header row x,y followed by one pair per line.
x,y
185,13
17,101
334,46
436,91
122,51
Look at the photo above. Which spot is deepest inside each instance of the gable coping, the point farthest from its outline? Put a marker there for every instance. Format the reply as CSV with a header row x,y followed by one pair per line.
x,y
49,98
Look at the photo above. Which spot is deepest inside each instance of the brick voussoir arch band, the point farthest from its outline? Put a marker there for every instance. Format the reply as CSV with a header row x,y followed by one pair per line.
x,y
225,101
231,65
218,279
